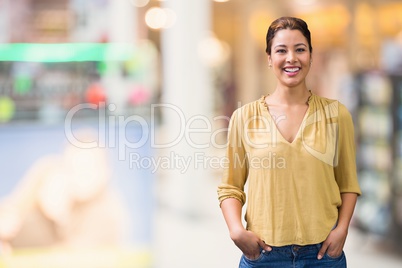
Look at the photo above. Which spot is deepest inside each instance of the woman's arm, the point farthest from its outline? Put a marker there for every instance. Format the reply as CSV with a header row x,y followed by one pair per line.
x,y
248,242
335,241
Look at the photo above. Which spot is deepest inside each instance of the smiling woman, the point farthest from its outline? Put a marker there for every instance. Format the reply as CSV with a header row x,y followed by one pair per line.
x,y
298,214
290,57
289,51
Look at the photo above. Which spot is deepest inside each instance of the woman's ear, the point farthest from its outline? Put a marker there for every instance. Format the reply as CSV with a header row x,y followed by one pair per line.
x,y
269,61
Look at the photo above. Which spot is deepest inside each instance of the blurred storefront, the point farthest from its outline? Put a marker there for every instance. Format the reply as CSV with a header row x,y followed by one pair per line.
x,y
207,57
71,67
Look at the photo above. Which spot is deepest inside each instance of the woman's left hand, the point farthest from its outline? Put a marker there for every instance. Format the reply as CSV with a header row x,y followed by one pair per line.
x,y
334,243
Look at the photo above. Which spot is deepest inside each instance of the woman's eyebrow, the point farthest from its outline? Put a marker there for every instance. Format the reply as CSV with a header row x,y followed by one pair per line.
x,y
280,45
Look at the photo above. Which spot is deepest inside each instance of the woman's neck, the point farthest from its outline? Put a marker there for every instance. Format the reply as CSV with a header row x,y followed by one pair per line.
x,y
290,96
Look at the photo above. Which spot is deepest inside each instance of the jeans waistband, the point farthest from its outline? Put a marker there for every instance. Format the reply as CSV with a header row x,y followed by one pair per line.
x,y
298,248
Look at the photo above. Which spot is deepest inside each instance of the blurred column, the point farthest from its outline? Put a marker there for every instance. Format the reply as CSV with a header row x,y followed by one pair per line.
x,y
187,87
122,21
134,185
122,29
247,78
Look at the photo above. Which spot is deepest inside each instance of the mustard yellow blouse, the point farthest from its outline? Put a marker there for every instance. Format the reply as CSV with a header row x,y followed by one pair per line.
x,y
294,189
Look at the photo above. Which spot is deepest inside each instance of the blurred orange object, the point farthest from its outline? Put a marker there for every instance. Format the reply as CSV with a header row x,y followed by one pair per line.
x,y
96,94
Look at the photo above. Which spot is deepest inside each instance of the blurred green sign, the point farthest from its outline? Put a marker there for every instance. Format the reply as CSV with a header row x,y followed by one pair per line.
x,y
66,52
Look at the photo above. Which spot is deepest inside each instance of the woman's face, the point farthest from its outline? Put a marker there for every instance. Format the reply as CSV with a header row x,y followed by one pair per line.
x,y
290,57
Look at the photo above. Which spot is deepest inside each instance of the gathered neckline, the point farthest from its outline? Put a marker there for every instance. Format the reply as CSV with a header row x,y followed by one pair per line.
x,y
262,99
263,102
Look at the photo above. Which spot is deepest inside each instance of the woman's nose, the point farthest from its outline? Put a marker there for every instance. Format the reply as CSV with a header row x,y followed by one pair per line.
x,y
291,57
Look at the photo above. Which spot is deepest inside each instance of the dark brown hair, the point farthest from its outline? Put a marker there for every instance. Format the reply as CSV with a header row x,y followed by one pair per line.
x,y
287,23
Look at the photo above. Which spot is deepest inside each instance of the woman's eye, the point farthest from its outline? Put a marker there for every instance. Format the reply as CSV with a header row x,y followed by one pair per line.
x,y
300,50
281,51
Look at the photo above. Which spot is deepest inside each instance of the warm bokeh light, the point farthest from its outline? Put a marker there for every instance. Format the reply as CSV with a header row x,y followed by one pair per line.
x,y
212,51
364,25
158,18
329,25
389,18
258,25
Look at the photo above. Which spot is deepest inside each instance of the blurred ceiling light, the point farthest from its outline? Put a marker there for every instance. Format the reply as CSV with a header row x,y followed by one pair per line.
x,y
221,1
157,18
139,3
212,51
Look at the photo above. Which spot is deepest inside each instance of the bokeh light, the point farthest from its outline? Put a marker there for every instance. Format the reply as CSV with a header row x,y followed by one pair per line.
x,y
7,109
212,51
95,94
158,18
139,95
22,84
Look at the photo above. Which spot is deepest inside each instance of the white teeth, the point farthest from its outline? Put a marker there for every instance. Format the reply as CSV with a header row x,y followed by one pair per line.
x,y
292,70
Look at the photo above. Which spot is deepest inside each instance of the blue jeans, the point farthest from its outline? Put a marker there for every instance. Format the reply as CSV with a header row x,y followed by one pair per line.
x,y
293,257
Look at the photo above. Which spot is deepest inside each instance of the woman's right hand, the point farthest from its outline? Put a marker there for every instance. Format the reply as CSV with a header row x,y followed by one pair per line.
x,y
249,243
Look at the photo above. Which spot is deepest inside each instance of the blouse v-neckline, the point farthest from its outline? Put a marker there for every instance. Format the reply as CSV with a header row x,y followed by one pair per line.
x,y
298,133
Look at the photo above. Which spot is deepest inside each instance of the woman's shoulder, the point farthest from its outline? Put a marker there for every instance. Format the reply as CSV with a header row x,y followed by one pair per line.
x,y
331,106
323,100
252,108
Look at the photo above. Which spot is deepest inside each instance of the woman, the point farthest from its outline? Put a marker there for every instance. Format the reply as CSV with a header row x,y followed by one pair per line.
x,y
296,151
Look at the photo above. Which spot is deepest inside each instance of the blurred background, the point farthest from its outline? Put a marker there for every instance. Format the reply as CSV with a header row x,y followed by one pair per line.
x,y
113,116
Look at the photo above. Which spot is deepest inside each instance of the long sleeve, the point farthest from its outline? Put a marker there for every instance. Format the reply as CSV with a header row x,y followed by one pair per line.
x,y
236,171
345,170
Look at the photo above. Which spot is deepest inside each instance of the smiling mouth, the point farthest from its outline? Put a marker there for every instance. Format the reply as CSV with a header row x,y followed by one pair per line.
x,y
292,70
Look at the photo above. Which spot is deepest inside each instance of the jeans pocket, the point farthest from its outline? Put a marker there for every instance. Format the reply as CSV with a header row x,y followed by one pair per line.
x,y
254,260
260,257
334,258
